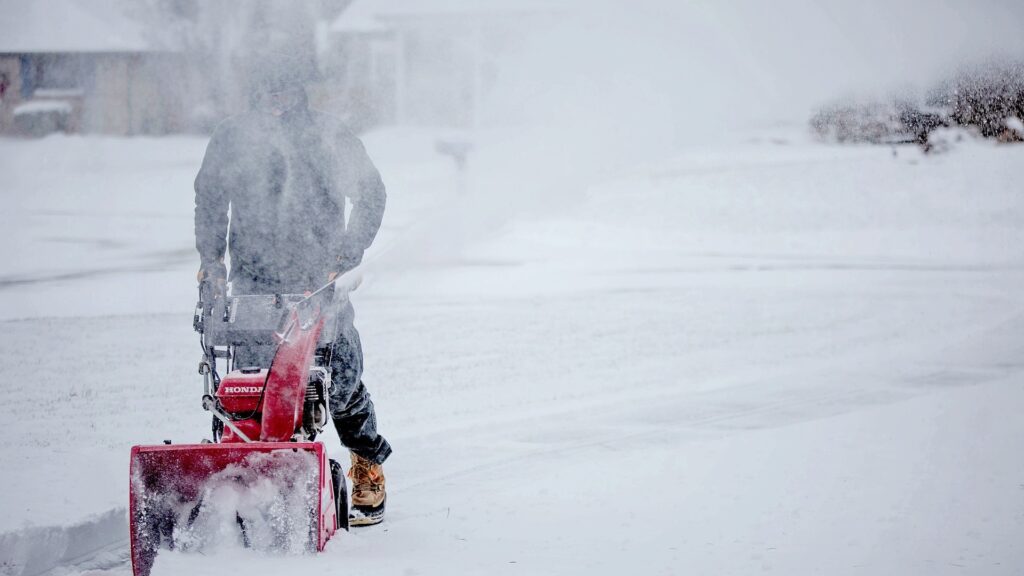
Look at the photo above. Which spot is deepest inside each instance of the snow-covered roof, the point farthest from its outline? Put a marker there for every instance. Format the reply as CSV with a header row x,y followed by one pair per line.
x,y
69,26
374,15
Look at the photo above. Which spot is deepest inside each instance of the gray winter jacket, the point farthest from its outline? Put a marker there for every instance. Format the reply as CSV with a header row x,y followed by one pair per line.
x,y
286,180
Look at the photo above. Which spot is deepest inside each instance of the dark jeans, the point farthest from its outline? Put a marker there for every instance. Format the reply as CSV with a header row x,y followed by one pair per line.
x,y
351,406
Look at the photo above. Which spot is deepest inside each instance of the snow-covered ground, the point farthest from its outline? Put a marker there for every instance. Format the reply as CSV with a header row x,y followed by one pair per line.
x,y
769,355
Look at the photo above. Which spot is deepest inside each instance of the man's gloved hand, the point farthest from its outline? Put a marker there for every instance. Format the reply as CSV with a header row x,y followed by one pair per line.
x,y
215,275
348,260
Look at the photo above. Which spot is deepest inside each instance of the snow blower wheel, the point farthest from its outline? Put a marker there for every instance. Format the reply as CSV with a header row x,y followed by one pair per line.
x,y
340,495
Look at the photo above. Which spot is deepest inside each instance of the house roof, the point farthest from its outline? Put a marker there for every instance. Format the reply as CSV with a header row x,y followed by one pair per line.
x,y
376,15
69,26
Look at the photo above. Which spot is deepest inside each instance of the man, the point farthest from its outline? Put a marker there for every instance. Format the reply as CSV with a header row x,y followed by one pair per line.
x,y
284,172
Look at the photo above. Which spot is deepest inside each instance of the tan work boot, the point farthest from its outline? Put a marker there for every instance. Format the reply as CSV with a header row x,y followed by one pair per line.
x,y
368,494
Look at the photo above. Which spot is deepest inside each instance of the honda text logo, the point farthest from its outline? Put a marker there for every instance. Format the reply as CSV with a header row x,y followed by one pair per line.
x,y
243,389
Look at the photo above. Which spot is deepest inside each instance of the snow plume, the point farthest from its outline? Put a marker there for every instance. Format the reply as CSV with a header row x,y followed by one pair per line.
x,y
218,41
598,87
668,69
272,495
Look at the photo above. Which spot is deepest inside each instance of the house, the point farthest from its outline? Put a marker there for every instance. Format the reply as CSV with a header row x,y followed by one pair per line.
x,y
84,66
424,62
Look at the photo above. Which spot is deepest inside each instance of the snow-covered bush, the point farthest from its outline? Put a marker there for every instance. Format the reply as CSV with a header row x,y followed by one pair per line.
x,y
989,98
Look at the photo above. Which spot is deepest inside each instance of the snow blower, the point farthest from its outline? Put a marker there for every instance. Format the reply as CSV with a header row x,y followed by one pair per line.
x,y
262,481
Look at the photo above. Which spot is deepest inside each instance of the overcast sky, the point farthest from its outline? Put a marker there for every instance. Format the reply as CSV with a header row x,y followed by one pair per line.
x,y
693,64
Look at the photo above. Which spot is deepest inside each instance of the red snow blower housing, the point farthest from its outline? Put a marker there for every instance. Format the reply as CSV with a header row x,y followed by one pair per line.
x,y
263,481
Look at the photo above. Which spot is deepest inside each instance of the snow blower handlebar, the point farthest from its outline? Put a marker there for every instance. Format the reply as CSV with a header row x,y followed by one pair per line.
x,y
210,295
226,322
340,284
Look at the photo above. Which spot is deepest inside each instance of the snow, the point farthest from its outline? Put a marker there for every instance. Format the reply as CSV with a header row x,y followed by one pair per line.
x,y
271,493
58,93
765,355
363,16
40,106
52,26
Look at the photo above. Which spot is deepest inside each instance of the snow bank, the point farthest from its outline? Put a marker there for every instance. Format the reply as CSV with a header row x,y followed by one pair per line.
x,y
31,551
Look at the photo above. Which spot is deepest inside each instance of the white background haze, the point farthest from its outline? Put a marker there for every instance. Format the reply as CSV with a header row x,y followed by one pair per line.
x,y
664,330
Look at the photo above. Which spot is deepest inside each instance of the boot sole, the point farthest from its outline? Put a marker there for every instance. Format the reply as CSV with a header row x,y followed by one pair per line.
x,y
366,515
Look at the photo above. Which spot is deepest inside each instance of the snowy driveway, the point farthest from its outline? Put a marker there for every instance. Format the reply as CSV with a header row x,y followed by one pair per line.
x,y
792,359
